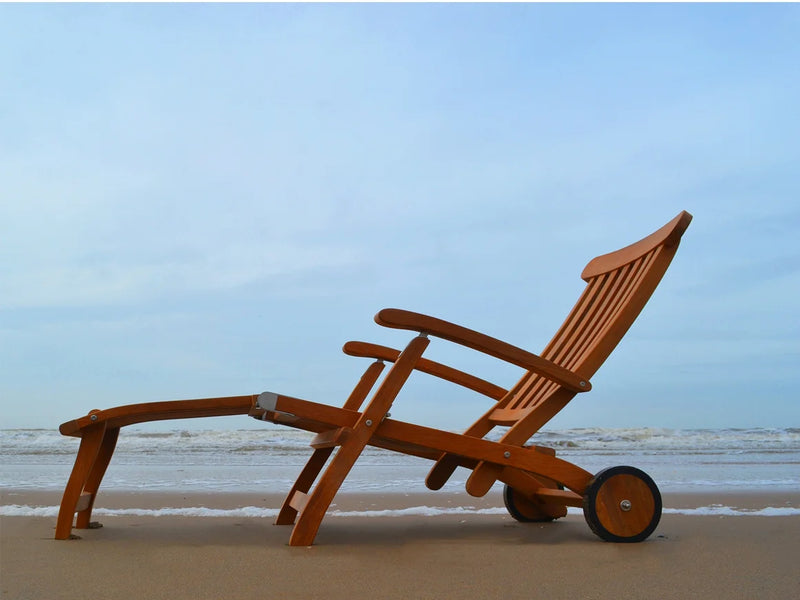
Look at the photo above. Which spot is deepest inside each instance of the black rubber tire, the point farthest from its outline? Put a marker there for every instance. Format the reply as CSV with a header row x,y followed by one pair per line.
x,y
604,499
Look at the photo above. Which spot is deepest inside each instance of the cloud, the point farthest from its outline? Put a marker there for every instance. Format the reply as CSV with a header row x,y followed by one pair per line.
x,y
223,159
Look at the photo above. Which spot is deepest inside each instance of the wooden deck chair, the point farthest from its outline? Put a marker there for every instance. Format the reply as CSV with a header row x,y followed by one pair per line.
x,y
620,504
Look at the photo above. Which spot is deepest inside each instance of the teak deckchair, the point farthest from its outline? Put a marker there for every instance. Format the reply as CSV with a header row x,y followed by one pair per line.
x,y
620,504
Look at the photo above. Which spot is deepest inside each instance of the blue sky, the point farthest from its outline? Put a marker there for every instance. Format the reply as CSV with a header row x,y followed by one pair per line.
x,y
209,200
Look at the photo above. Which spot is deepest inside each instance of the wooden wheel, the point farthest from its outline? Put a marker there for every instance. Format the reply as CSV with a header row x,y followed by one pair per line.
x,y
526,510
622,504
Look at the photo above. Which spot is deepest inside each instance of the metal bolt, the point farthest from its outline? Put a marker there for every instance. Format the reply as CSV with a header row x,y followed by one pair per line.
x,y
582,384
368,422
93,417
625,505
507,454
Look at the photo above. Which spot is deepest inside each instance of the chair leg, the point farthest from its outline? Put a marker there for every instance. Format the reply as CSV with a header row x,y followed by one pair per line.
x,y
447,464
91,440
305,530
440,472
482,479
83,520
307,525
305,480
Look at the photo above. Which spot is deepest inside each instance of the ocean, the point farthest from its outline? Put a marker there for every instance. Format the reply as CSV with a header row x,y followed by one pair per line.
x,y
268,460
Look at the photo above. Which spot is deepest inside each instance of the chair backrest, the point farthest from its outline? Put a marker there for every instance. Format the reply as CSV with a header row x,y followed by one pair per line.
x,y
618,285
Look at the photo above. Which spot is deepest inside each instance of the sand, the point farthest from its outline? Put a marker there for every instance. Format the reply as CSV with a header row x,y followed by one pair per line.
x,y
443,556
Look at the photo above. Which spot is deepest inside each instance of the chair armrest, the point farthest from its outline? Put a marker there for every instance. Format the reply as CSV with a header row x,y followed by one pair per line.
x,y
476,384
403,319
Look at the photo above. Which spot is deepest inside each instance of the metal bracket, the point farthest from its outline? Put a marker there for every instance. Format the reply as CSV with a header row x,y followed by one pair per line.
x,y
267,401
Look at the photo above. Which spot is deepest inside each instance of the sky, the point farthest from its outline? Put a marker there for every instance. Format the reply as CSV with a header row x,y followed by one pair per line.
x,y
207,200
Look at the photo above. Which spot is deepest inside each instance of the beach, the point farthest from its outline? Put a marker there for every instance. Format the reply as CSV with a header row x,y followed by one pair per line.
x,y
368,547
188,515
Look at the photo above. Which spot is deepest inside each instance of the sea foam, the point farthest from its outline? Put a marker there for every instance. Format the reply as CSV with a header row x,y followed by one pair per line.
x,y
715,510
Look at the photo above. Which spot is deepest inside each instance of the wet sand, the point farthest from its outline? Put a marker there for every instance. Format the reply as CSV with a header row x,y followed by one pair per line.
x,y
440,556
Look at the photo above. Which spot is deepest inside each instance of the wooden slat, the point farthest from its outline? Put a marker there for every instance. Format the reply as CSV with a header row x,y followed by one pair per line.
x,y
593,322
572,326
606,297
571,343
508,416
329,439
625,313
538,388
